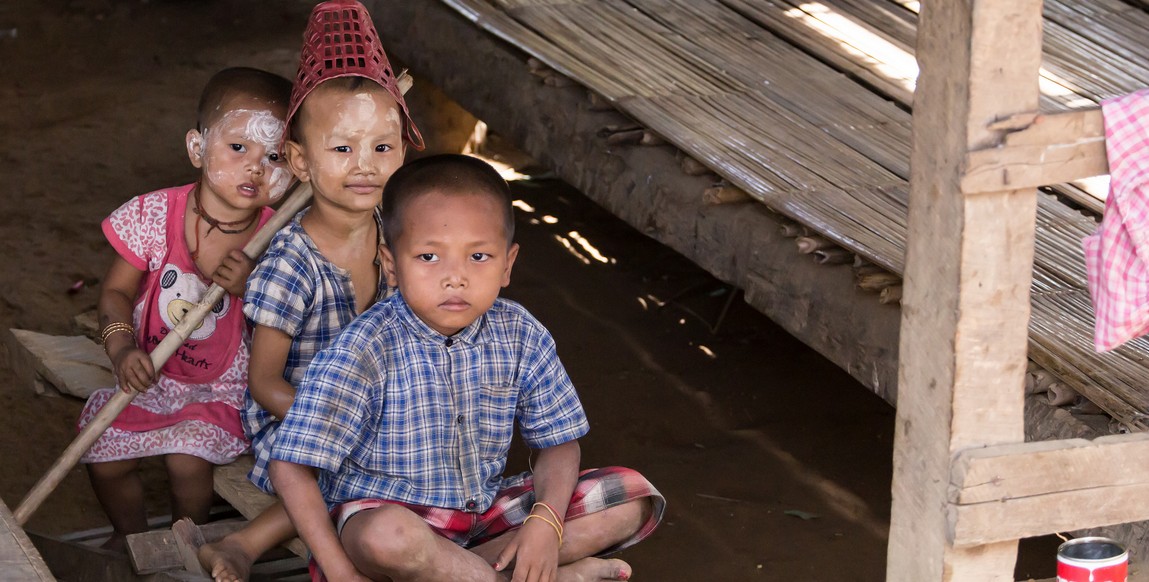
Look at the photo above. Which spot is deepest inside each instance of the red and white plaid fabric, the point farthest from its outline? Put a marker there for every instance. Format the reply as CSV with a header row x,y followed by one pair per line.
x,y
1117,255
597,490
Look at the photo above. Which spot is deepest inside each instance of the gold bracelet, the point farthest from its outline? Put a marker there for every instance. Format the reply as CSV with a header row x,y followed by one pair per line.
x,y
558,531
554,513
116,327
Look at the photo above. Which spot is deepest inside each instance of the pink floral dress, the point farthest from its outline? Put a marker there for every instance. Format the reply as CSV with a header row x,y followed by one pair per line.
x,y
193,408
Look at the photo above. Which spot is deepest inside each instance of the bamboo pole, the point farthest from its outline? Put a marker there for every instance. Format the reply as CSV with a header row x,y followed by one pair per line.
x,y
693,167
890,295
876,281
598,102
792,230
300,195
625,137
724,194
649,138
833,256
810,243
1060,395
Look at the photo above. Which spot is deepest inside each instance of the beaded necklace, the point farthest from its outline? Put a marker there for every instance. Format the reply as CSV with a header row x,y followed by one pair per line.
x,y
216,224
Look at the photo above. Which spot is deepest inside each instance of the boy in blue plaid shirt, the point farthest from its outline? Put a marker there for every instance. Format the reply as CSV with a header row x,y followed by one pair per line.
x,y
404,423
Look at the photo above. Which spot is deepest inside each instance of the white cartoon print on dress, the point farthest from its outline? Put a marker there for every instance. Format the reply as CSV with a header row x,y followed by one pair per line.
x,y
179,293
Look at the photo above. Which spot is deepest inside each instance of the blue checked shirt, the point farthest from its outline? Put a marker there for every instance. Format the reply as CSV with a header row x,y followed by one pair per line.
x,y
296,290
394,410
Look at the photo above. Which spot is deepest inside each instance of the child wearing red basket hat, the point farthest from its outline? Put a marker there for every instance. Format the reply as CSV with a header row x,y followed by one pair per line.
x,y
348,129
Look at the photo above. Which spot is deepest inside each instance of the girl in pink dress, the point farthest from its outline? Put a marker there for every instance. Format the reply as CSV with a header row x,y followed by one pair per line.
x,y
188,411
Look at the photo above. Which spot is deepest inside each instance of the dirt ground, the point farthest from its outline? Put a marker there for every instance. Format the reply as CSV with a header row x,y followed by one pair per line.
x,y
776,464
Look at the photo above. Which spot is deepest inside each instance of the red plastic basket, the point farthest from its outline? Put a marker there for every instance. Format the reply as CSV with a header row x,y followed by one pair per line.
x,y
341,41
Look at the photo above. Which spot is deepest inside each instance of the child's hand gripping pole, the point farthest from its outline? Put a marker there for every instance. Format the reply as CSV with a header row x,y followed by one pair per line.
x,y
297,198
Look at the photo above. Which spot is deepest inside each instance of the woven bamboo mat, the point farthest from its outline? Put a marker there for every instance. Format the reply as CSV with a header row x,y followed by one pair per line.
x,y
804,105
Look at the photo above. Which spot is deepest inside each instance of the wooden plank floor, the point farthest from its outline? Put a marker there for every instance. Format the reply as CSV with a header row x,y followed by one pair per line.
x,y
19,559
785,101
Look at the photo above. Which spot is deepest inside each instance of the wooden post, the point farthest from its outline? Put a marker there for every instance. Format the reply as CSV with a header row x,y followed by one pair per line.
x,y
969,261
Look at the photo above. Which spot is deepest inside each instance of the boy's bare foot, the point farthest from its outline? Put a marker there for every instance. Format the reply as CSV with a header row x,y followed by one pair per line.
x,y
595,570
226,560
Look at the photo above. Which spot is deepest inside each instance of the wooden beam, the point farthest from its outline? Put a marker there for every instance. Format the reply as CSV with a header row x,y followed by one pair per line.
x,y
1049,149
19,559
969,262
1014,471
1028,489
994,522
72,365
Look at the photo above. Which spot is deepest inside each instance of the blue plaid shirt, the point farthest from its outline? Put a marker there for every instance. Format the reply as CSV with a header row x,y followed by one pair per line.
x,y
296,290
395,410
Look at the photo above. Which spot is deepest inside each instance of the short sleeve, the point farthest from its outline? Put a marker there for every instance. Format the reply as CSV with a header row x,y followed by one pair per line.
x,y
137,230
550,412
320,428
280,293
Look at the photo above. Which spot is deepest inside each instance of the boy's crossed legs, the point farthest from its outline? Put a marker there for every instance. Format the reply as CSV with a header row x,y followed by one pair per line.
x,y
612,508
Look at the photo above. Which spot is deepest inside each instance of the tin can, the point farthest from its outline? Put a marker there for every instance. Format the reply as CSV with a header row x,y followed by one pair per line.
x,y
1092,559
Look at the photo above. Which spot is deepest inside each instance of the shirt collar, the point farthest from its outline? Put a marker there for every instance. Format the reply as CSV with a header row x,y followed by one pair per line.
x,y
477,332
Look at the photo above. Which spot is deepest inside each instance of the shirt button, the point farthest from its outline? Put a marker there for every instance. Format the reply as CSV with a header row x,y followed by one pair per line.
x,y
459,419
450,342
472,505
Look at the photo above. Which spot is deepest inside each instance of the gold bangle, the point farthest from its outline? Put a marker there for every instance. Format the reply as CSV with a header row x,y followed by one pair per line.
x,y
558,531
552,511
116,327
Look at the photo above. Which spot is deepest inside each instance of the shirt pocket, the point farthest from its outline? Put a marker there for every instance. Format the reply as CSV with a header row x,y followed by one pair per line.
x,y
495,424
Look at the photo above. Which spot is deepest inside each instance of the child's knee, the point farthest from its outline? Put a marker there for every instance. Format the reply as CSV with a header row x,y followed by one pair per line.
x,y
645,506
188,467
628,518
390,538
190,477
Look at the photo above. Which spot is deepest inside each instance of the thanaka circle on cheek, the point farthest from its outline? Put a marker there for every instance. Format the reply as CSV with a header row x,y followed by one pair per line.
x,y
278,182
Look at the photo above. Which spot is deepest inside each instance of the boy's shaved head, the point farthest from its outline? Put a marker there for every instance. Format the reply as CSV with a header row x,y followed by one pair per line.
x,y
240,82
447,174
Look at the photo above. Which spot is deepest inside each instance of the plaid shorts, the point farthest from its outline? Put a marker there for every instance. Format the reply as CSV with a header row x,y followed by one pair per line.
x,y
597,490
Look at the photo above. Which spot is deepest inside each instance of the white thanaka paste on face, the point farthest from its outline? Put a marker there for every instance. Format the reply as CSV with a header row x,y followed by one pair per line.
x,y
278,182
263,128
353,120
213,174
259,127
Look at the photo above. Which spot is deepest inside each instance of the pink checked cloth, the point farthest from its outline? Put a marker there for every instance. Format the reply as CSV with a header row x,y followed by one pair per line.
x,y
1117,255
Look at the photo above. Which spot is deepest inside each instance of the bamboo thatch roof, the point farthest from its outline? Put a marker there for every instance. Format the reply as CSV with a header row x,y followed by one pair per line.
x,y
805,106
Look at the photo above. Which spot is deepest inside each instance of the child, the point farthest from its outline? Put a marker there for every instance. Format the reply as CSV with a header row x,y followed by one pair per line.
x,y
402,426
165,241
348,127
